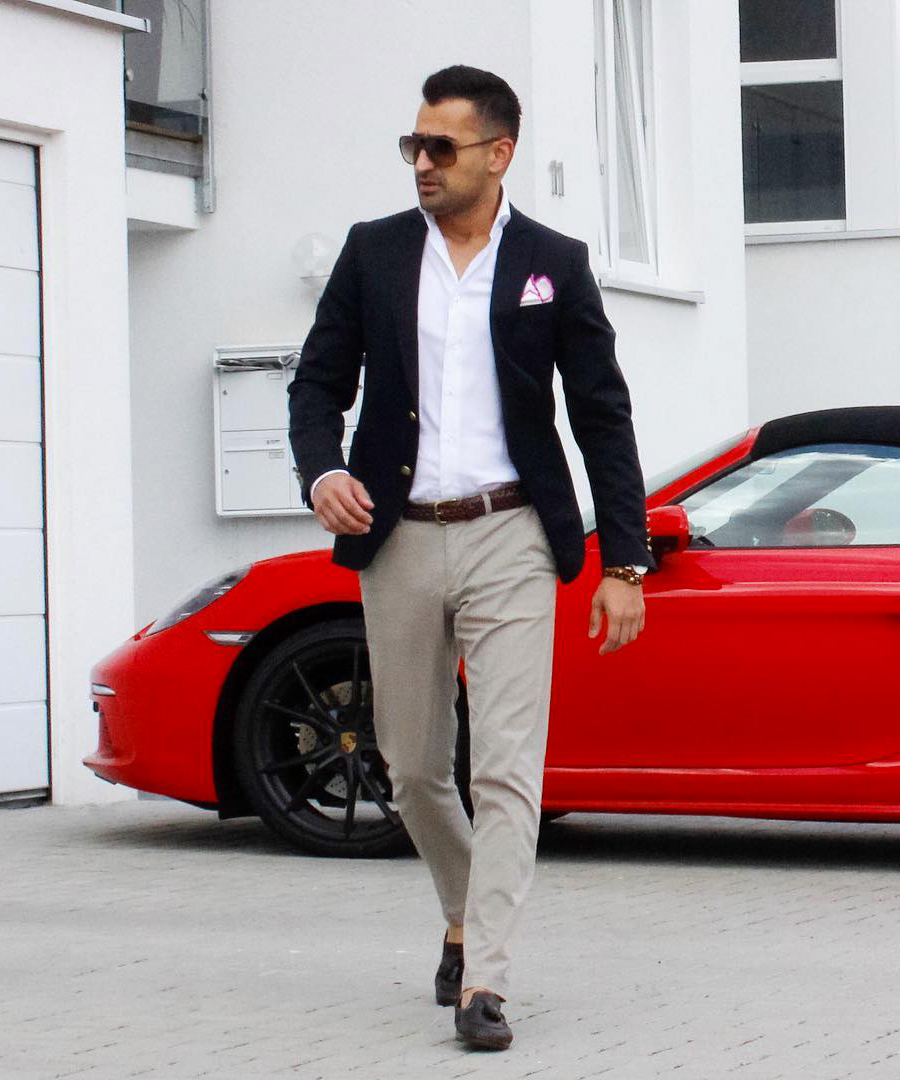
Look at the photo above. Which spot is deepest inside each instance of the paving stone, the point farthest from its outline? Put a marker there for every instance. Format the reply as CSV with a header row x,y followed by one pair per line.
x,y
149,939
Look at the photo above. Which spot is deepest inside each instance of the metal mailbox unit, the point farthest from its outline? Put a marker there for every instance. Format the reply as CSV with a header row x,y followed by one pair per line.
x,y
255,474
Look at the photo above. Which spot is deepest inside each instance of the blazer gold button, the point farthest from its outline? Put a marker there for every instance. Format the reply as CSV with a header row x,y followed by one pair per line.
x,y
412,415
406,470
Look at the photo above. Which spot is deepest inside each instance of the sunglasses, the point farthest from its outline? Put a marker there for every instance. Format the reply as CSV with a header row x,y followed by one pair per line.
x,y
441,149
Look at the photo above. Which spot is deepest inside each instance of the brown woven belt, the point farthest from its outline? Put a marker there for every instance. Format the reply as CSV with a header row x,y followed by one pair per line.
x,y
504,497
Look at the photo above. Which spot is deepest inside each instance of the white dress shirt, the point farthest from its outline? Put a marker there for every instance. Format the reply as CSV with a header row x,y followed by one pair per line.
x,y
462,442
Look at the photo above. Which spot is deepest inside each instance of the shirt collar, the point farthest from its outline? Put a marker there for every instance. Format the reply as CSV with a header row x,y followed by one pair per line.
x,y
503,215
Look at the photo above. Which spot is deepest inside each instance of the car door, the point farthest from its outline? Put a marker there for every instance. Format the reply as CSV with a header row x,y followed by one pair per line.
x,y
770,641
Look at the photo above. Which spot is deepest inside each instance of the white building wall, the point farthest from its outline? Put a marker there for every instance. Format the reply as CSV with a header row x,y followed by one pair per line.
x,y
823,323
61,89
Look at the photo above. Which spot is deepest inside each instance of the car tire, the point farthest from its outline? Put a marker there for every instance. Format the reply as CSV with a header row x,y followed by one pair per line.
x,y
305,748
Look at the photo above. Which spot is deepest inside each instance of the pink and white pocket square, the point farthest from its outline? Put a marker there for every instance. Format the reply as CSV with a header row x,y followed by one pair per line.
x,y
538,290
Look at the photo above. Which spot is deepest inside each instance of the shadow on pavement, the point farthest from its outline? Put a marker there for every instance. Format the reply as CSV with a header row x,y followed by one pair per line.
x,y
202,832
718,841
619,838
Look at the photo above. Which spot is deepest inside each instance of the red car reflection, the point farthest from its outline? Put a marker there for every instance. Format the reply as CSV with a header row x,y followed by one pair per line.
x,y
758,687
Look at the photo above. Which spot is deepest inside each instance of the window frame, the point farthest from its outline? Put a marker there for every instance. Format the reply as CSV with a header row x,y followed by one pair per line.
x,y
791,72
605,87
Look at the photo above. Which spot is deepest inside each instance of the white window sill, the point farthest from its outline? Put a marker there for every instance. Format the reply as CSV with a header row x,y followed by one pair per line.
x,y
79,10
687,296
837,234
795,228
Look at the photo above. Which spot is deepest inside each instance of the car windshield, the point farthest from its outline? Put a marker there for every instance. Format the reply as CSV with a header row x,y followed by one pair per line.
x,y
662,479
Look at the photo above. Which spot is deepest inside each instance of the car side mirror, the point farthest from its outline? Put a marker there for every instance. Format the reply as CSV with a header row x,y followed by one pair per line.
x,y
669,529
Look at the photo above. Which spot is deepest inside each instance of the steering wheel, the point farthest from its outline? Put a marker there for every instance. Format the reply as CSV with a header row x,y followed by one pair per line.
x,y
819,525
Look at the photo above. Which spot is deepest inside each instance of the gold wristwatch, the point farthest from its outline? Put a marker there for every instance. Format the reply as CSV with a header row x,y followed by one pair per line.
x,y
634,575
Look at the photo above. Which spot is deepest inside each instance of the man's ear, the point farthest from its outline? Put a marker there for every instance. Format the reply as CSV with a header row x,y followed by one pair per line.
x,y
503,154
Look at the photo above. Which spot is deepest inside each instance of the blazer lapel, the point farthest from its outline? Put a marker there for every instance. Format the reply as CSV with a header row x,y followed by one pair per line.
x,y
407,268
510,275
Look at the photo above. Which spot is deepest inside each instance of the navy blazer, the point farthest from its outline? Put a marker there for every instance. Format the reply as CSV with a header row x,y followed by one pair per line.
x,y
369,309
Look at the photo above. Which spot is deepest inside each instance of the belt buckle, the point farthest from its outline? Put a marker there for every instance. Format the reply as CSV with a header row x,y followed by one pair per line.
x,y
437,512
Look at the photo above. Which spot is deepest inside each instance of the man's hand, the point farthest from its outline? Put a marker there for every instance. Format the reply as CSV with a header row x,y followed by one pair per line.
x,y
342,504
624,607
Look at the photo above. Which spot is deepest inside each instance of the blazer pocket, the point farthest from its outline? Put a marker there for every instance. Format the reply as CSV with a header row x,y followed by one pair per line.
x,y
535,309
535,318
535,325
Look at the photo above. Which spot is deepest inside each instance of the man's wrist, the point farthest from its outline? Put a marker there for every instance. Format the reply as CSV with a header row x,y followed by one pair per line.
x,y
319,479
634,575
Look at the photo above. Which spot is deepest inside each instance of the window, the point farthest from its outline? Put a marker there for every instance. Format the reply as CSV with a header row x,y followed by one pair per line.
x,y
822,495
681,468
623,102
792,115
787,30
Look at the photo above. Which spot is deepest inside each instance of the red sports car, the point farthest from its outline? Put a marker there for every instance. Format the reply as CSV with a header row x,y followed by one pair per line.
x,y
759,687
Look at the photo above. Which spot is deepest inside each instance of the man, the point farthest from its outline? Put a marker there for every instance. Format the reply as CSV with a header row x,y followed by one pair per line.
x,y
457,507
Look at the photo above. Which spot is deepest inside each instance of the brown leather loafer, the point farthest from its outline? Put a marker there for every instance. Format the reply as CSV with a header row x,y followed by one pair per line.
x,y
448,980
481,1024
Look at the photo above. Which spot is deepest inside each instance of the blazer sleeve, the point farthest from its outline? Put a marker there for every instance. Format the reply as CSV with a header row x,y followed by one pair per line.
x,y
327,378
599,408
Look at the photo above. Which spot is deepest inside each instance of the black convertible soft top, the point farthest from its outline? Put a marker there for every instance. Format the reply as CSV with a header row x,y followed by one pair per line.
x,y
861,423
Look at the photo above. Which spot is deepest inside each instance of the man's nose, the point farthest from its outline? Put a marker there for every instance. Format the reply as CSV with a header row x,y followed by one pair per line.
x,y
423,162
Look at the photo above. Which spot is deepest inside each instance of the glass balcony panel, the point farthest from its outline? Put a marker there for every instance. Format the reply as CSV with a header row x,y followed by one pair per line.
x,y
165,70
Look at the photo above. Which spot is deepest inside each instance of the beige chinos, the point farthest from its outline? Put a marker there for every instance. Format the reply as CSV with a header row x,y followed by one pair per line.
x,y
485,590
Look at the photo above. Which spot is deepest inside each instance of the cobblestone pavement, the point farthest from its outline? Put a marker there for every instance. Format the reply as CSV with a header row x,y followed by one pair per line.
x,y
148,939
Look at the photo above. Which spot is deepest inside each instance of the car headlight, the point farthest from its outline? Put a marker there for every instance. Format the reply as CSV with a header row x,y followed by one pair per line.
x,y
200,598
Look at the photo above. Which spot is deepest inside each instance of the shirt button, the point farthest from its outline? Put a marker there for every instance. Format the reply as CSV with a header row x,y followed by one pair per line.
x,y
406,470
412,415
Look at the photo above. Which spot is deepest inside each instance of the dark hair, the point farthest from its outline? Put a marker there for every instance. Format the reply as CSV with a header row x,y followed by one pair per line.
x,y
494,100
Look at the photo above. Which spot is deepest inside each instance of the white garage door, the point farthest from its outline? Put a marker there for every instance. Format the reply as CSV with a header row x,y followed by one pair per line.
x,y
23,666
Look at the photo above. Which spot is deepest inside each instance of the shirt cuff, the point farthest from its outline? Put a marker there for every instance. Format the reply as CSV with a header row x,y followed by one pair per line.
x,y
315,483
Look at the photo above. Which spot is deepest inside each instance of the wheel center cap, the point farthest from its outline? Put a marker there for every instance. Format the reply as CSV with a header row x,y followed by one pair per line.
x,y
348,741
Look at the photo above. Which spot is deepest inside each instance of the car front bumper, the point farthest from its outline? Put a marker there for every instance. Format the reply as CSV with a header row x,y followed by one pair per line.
x,y
155,698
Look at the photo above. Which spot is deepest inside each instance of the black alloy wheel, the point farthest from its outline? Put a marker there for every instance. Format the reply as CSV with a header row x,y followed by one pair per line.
x,y
305,747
